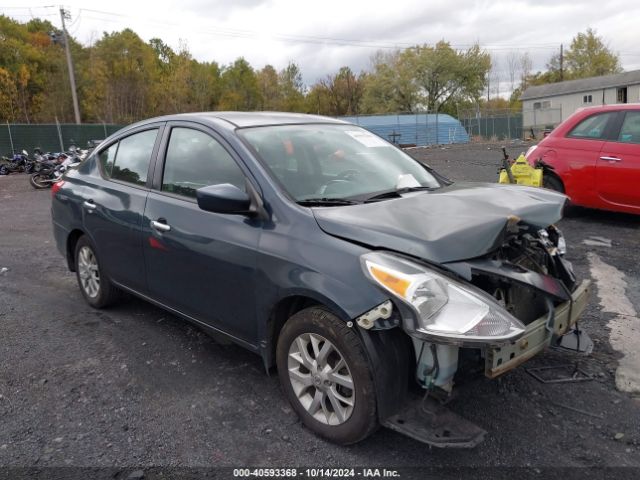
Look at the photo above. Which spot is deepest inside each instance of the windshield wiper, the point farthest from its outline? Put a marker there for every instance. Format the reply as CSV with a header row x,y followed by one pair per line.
x,y
395,193
310,202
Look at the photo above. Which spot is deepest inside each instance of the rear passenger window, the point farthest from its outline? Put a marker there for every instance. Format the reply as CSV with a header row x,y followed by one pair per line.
x,y
194,160
108,158
132,157
593,127
630,131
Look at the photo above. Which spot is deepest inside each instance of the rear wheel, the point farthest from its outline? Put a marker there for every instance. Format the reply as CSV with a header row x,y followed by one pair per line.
x,y
94,284
326,376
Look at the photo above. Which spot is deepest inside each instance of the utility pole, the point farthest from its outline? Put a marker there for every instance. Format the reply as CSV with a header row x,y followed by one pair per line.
x,y
72,77
561,62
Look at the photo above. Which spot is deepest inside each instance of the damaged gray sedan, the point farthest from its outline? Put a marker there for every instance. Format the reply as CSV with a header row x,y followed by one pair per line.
x,y
367,278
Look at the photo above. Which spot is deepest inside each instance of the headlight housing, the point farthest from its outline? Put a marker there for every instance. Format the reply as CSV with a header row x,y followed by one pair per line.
x,y
445,310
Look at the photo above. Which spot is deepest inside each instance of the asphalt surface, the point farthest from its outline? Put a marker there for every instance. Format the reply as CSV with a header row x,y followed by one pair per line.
x,y
135,386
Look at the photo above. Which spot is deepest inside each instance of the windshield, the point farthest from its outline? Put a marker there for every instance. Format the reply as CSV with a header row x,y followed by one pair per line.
x,y
335,161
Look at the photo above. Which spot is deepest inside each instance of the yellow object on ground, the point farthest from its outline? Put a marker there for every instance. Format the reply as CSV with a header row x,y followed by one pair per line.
x,y
523,173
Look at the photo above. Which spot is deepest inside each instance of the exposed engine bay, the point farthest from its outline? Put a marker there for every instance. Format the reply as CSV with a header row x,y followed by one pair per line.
x,y
528,277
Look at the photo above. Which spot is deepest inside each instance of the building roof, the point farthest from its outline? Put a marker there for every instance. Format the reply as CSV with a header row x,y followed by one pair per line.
x,y
582,85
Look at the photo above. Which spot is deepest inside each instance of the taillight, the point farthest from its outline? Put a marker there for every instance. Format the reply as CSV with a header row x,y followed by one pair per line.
x,y
56,186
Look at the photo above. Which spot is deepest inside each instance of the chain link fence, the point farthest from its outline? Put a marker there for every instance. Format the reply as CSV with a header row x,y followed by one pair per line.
x,y
501,124
537,120
50,137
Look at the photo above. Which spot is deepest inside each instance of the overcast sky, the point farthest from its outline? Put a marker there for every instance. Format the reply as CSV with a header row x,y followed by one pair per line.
x,y
322,35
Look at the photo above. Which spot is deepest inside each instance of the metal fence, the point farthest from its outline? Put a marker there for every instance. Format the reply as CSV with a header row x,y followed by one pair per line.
x,y
538,119
493,124
50,137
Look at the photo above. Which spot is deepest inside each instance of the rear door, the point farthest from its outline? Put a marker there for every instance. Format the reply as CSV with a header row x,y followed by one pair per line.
x,y
114,206
202,264
618,171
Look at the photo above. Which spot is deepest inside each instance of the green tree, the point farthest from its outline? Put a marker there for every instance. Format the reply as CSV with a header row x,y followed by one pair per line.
x,y
124,78
291,88
267,79
444,75
589,56
240,89
391,86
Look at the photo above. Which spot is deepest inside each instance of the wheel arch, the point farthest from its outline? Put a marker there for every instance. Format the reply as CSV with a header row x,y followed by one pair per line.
x,y
281,311
389,351
550,172
72,241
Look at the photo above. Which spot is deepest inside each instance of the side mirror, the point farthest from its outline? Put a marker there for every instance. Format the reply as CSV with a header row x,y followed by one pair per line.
x,y
223,198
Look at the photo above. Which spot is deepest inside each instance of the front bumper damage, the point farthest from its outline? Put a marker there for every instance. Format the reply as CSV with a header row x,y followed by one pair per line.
x,y
426,420
539,334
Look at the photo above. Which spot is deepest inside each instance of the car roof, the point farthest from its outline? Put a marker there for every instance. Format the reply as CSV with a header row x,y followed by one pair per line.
x,y
610,107
246,119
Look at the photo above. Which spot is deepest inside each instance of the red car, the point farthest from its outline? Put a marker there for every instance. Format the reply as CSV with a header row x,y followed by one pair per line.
x,y
594,157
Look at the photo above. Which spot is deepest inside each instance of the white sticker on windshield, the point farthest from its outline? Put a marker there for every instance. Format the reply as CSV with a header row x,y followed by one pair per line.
x,y
406,181
366,138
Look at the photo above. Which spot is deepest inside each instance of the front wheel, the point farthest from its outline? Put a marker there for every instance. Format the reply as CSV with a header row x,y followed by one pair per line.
x,y
39,181
326,376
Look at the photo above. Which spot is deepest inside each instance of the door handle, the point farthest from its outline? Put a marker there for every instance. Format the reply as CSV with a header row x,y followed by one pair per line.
x,y
89,204
160,226
611,159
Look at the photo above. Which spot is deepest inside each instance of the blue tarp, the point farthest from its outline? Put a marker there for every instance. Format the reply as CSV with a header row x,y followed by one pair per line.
x,y
418,129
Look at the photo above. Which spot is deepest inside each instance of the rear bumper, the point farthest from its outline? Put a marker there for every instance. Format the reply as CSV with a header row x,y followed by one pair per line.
x,y
538,335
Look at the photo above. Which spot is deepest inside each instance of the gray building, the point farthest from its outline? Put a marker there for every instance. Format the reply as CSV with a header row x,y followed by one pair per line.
x,y
548,105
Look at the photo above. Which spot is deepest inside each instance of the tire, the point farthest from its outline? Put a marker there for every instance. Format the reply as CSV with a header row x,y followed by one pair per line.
x,y
37,181
552,183
314,393
94,284
4,170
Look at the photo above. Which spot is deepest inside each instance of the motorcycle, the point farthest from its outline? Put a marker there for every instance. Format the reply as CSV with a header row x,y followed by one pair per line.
x,y
51,172
19,162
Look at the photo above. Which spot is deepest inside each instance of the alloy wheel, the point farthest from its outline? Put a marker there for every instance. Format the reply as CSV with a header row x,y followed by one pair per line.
x,y
88,272
321,379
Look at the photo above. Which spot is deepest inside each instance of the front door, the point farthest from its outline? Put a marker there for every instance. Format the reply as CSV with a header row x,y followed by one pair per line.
x,y
200,263
618,171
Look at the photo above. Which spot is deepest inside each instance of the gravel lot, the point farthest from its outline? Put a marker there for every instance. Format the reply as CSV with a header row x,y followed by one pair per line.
x,y
134,386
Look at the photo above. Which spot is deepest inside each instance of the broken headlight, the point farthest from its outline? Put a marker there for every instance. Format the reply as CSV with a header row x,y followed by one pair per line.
x,y
445,309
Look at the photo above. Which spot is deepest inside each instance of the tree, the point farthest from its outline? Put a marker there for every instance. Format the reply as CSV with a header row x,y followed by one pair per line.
x,y
390,87
240,89
8,95
291,89
526,64
444,75
124,78
513,68
343,91
267,79
589,56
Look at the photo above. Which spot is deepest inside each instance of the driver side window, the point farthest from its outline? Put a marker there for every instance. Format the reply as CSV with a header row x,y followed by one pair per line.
x,y
194,160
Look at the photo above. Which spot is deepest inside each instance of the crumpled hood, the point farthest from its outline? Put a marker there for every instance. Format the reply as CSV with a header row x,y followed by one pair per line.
x,y
454,223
